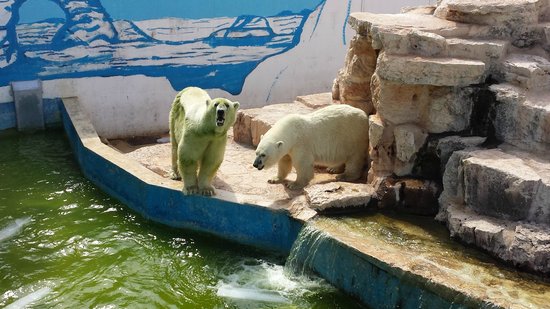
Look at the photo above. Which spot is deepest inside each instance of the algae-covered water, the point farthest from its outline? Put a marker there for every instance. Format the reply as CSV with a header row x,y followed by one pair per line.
x,y
66,244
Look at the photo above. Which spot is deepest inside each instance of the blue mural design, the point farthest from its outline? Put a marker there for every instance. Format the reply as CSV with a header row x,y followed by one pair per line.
x,y
82,39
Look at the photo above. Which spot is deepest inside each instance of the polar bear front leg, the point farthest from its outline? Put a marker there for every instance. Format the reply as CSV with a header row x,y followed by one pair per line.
x,y
187,166
210,163
304,172
284,166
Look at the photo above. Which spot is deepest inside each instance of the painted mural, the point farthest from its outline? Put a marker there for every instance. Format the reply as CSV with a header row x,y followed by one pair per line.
x,y
210,44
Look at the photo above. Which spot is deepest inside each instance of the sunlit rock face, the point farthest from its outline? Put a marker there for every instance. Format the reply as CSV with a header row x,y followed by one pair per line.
x,y
459,93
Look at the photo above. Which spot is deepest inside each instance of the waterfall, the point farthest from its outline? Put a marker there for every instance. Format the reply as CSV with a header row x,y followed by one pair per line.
x,y
301,260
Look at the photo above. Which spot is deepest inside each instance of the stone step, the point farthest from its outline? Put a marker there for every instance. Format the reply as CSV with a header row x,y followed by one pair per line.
x,y
519,243
489,12
528,71
499,200
252,123
505,183
316,100
430,71
488,51
522,118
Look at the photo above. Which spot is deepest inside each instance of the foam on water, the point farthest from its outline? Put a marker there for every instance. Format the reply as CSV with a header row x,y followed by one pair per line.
x,y
30,298
259,281
14,228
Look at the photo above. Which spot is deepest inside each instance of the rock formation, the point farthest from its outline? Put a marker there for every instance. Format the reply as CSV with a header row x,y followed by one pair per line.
x,y
459,93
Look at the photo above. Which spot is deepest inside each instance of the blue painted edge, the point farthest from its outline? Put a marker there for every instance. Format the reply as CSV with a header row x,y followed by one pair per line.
x,y
261,227
52,114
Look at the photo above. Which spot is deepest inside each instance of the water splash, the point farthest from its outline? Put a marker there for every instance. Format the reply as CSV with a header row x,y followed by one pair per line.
x,y
255,280
14,228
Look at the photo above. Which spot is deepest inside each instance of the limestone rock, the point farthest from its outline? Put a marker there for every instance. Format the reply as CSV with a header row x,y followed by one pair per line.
x,y
522,119
489,12
438,109
353,83
488,51
513,19
521,244
338,196
252,123
505,183
376,25
408,140
376,129
430,71
529,71
316,100
447,145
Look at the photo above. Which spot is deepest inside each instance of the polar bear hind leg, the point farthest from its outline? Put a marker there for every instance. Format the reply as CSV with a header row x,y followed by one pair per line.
x,y
353,168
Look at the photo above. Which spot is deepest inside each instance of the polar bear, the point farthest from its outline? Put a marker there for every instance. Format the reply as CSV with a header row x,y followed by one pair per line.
x,y
198,133
335,136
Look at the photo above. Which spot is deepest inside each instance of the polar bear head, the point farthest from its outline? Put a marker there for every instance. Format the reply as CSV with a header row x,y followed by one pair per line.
x,y
268,153
222,113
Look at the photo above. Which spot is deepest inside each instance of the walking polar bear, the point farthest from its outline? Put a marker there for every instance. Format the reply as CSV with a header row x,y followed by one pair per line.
x,y
335,136
198,133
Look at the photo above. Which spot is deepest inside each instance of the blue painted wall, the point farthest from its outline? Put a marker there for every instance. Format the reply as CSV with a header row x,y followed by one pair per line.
x,y
210,44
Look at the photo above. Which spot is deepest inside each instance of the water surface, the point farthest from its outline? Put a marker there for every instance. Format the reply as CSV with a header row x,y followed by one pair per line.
x,y
67,244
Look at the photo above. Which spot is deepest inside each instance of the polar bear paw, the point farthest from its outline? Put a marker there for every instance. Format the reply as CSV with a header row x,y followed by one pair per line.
x,y
294,185
207,191
190,190
175,176
338,169
275,180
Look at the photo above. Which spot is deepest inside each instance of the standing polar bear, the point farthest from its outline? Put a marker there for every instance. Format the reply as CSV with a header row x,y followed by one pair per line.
x,y
198,133
335,136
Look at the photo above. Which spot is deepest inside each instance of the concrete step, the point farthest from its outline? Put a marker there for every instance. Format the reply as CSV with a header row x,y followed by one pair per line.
x,y
430,71
252,123
505,183
522,117
528,71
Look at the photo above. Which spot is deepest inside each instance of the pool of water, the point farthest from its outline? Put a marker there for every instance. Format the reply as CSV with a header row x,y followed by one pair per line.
x,y
65,243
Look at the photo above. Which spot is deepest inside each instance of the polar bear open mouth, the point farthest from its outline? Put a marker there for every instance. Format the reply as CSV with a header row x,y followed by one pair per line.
x,y
220,118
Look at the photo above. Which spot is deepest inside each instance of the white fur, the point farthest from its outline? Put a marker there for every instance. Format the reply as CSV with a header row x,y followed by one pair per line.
x,y
198,140
331,136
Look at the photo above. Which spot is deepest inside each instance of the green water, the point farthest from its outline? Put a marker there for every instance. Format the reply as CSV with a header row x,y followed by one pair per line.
x,y
78,248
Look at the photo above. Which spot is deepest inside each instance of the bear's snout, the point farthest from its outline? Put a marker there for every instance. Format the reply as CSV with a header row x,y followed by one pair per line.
x,y
258,163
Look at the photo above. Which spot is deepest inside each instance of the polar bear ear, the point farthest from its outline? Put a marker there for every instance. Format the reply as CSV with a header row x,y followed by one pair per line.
x,y
279,144
261,137
236,105
208,101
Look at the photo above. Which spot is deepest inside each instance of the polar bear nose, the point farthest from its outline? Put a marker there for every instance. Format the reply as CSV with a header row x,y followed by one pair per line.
x,y
258,163
220,112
